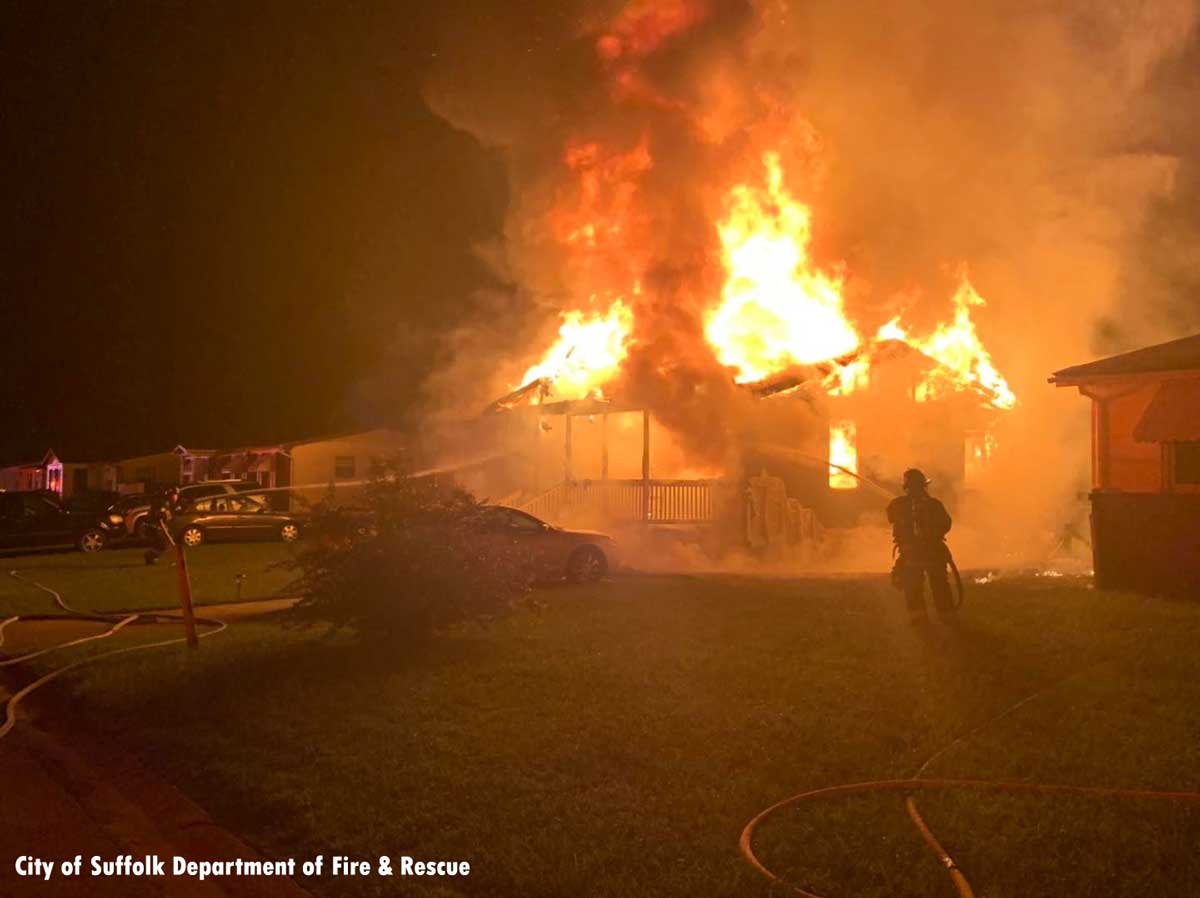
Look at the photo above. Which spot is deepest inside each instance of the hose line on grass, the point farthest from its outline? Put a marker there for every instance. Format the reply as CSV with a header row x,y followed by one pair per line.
x,y
916,783
118,623
4,624
956,875
10,708
908,785
58,599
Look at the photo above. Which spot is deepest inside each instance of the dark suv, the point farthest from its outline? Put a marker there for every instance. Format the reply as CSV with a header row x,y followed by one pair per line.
x,y
133,511
39,520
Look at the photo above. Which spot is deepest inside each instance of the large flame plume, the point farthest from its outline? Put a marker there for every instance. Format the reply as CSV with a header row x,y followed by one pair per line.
x,y
588,352
777,308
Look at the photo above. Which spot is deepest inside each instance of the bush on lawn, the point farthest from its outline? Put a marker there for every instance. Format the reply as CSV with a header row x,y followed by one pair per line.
x,y
410,562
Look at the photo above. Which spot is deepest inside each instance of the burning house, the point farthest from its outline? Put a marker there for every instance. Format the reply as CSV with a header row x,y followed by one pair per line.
x,y
808,437
1145,465
715,357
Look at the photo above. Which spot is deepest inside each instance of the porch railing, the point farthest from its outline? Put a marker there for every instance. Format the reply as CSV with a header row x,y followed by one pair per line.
x,y
654,501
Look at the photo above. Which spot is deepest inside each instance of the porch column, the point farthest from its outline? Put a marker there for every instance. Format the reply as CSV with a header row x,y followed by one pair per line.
x,y
645,464
604,446
567,451
1101,468
537,453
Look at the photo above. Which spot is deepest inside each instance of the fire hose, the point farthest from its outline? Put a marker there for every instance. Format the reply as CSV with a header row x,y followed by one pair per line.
x,y
117,622
916,783
959,590
959,594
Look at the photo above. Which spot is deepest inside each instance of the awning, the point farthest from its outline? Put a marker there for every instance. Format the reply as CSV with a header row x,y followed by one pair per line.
x,y
1173,416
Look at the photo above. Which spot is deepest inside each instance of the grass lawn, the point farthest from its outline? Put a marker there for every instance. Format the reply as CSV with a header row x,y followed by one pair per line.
x,y
120,579
615,743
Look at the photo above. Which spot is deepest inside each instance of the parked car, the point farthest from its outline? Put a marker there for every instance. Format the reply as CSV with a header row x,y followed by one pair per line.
x,y
93,501
134,510
230,517
578,555
39,520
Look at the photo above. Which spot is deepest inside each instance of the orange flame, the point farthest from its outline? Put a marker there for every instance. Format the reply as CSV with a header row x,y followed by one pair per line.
x,y
843,452
776,309
847,378
588,352
962,358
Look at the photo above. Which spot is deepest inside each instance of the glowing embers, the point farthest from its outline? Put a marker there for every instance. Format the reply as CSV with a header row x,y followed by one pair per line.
x,y
776,308
588,352
843,455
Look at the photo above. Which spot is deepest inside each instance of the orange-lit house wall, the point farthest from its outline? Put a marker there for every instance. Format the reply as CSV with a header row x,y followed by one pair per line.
x,y
1118,461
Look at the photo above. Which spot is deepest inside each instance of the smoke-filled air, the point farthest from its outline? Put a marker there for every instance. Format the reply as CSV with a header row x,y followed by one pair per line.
x,y
824,242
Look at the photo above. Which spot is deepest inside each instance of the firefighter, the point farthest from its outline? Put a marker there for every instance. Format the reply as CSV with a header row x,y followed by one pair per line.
x,y
919,527
162,510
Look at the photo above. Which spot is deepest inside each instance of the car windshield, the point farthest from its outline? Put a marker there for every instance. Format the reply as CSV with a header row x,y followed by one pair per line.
x,y
499,516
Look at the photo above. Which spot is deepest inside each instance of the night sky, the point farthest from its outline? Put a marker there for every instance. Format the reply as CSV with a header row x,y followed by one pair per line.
x,y
225,223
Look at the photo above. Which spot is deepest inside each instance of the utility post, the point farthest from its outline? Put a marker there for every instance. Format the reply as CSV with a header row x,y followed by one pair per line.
x,y
185,597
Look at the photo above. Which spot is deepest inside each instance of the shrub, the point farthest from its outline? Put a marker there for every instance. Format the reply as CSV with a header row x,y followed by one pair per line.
x,y
408,563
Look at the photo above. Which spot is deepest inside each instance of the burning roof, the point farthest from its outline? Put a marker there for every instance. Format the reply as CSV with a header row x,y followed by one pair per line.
x,y
777,317
852,372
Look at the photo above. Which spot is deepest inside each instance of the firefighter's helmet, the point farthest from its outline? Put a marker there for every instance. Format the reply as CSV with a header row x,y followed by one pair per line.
x,y
914,478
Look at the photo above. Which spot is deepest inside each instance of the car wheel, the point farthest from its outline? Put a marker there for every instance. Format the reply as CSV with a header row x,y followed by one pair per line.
x,y
289,532
192,536
92,541
586,565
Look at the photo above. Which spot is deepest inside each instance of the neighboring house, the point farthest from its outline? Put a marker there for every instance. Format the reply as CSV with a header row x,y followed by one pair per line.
x,y
1145,465
65,478
264,464
178,465
88,477
342,462
46,474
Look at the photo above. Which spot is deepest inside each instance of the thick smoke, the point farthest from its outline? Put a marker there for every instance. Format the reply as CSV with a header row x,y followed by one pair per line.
x,y
1050,146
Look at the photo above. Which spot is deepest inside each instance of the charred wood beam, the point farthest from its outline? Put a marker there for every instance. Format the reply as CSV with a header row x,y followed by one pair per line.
x,y
536,389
